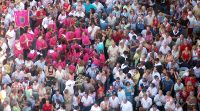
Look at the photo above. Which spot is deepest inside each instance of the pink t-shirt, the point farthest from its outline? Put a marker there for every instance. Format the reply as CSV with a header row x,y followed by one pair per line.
x,y
18,50
69,36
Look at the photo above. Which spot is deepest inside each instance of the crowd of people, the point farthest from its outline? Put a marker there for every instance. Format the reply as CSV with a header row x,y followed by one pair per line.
x,y
100,55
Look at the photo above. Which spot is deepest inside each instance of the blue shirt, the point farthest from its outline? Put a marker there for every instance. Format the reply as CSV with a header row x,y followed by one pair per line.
x,y
6,79
59,97
128,90
168,84
92,72
88,7
40,64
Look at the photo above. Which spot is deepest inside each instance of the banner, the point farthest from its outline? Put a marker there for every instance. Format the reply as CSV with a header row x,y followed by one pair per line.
x,y
21,18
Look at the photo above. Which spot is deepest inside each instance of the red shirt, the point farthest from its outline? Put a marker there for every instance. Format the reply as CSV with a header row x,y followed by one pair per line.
x,y
100,91
47,107
40,13
184,96
192,79
66,6
199,97
183,46
186,56
117,37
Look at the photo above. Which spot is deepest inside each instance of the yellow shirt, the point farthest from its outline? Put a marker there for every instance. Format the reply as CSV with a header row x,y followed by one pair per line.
x,y
136,56
136,77
2,95
7,69
196,11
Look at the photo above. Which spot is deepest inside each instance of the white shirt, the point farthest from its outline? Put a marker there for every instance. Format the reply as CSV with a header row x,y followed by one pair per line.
x,y
126,106
164,50
75,101
153,109
33,3
11,37
19,62
92,31
35,86
7,108
156,82
46,21
46,2
156,73
28,64
69,85
40,64
79,14
59,74
8,20
146,103
98,6
192,21
93,108
178,109
111,21
61,109
4,47
152,91
20,6
121,76
149,19
72,13
87,101
122,49
115,70
196,72
170,106
61,18
121,95
178,87
109,3
114,103
159,100
113,51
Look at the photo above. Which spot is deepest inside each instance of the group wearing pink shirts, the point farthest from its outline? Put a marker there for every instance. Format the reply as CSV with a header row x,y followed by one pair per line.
x,y
70,47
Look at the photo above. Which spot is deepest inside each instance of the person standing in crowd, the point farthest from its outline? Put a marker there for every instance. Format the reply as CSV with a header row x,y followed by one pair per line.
x,y
87,102
10,35
146,102
114,102
126,105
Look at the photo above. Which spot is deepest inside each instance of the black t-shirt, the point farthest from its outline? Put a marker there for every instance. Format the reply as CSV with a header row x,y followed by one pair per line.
x,y
183,22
